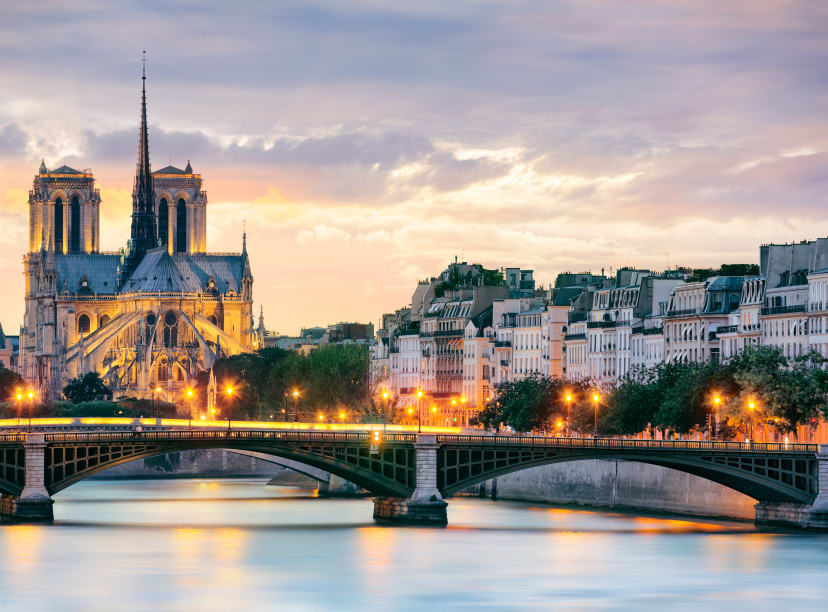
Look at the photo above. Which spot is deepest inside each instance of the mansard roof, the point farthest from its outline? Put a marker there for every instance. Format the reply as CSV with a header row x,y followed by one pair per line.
x,y
159,271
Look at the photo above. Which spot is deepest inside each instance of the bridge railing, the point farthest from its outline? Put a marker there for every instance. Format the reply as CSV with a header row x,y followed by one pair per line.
x,y
15,437
224,435
622,443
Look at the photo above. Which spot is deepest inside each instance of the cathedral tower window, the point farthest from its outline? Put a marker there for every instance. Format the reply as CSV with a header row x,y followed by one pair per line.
x,y
83,324
59,225
181,226
74,226
163,221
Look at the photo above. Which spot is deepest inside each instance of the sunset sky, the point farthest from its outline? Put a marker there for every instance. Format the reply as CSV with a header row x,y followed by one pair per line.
x,y
367,143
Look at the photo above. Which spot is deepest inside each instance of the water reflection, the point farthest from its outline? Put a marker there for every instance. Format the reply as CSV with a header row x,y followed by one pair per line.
x,y
234,544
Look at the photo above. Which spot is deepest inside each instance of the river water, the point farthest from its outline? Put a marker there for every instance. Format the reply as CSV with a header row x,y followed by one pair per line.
x,y
242,545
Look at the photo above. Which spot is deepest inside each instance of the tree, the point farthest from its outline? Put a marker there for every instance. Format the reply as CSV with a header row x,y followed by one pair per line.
x,y
88,388
534,403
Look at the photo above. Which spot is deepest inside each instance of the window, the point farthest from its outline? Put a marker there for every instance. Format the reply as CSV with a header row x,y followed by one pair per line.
x,y
74,226
83,324
103,320
59,225
163,221
181,227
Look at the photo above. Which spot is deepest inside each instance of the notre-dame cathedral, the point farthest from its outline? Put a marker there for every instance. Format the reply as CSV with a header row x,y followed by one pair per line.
x,y
148,317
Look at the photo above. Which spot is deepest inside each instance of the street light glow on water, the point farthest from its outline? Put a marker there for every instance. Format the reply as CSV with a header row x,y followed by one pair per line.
x,y
234,544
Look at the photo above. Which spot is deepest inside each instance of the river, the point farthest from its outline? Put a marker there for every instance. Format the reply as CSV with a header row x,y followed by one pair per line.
x,y
242,545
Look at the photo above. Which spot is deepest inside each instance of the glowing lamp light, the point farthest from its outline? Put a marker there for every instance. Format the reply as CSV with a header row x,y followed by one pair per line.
x,y
158,389
30,394
295,393
410,411
229,390
419,393
321,416
751,405
559,423
434,409
568,397
341,415
19,396
595,397
189,392
385,395
203,417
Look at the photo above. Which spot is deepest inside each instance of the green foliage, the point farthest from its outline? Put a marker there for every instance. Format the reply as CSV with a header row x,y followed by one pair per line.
x,y
88,388
330,378
535,403
679,396
9,383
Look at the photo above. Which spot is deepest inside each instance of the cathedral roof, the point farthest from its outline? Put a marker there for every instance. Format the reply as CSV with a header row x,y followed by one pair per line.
x,y
101,270
64,169
160,271
171,170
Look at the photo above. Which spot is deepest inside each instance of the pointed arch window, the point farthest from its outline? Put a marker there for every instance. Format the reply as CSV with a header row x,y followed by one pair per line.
x,y
83,324
181,226
74,226
59,225
163,221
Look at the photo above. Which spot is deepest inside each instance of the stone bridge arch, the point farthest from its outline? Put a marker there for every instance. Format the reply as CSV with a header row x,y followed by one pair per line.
x,y
70,458
769,476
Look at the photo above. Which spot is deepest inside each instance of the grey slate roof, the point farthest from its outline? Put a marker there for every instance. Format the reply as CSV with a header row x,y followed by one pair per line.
x,y
160,271
64,169
101,271
170,170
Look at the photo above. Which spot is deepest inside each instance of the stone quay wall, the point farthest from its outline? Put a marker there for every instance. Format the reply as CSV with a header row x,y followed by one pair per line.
x,y
627,485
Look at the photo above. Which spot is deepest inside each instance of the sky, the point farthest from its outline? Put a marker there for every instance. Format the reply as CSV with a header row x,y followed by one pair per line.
x,y
366,144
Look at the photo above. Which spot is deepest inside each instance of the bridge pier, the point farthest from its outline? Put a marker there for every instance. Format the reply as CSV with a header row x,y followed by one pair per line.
x,y
426,505
807,516
34,504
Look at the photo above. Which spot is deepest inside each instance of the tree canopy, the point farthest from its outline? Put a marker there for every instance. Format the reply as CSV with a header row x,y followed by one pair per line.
x,y
87,388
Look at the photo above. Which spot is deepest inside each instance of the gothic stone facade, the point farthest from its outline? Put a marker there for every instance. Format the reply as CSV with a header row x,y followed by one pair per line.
x,y
142,320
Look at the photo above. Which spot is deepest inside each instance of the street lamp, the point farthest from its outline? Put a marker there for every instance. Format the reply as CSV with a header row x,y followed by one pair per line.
x,y
19,397
716,402
229,391
295,404
595,400
419,412
157,403
568,412
190,404
751,408
30,395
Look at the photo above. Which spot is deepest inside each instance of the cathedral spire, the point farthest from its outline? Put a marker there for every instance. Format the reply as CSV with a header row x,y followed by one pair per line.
x,y
143,236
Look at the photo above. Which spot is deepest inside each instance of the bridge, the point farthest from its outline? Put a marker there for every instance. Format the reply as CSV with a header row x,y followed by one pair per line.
x,y
411,474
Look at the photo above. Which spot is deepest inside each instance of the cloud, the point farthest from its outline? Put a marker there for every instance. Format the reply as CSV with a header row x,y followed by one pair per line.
x,y
12,141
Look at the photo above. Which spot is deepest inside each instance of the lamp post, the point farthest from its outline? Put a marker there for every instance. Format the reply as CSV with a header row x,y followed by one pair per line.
x,y
716,401
19,397
157,403
595,399
751,409
419,412
229,391
190,405
295,404
568,413
30,395
384,410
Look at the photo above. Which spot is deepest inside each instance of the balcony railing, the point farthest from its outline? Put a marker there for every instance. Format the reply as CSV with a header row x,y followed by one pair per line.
x,y
500,343
594,324
774,310
575,337
727,329
448,332
683,313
